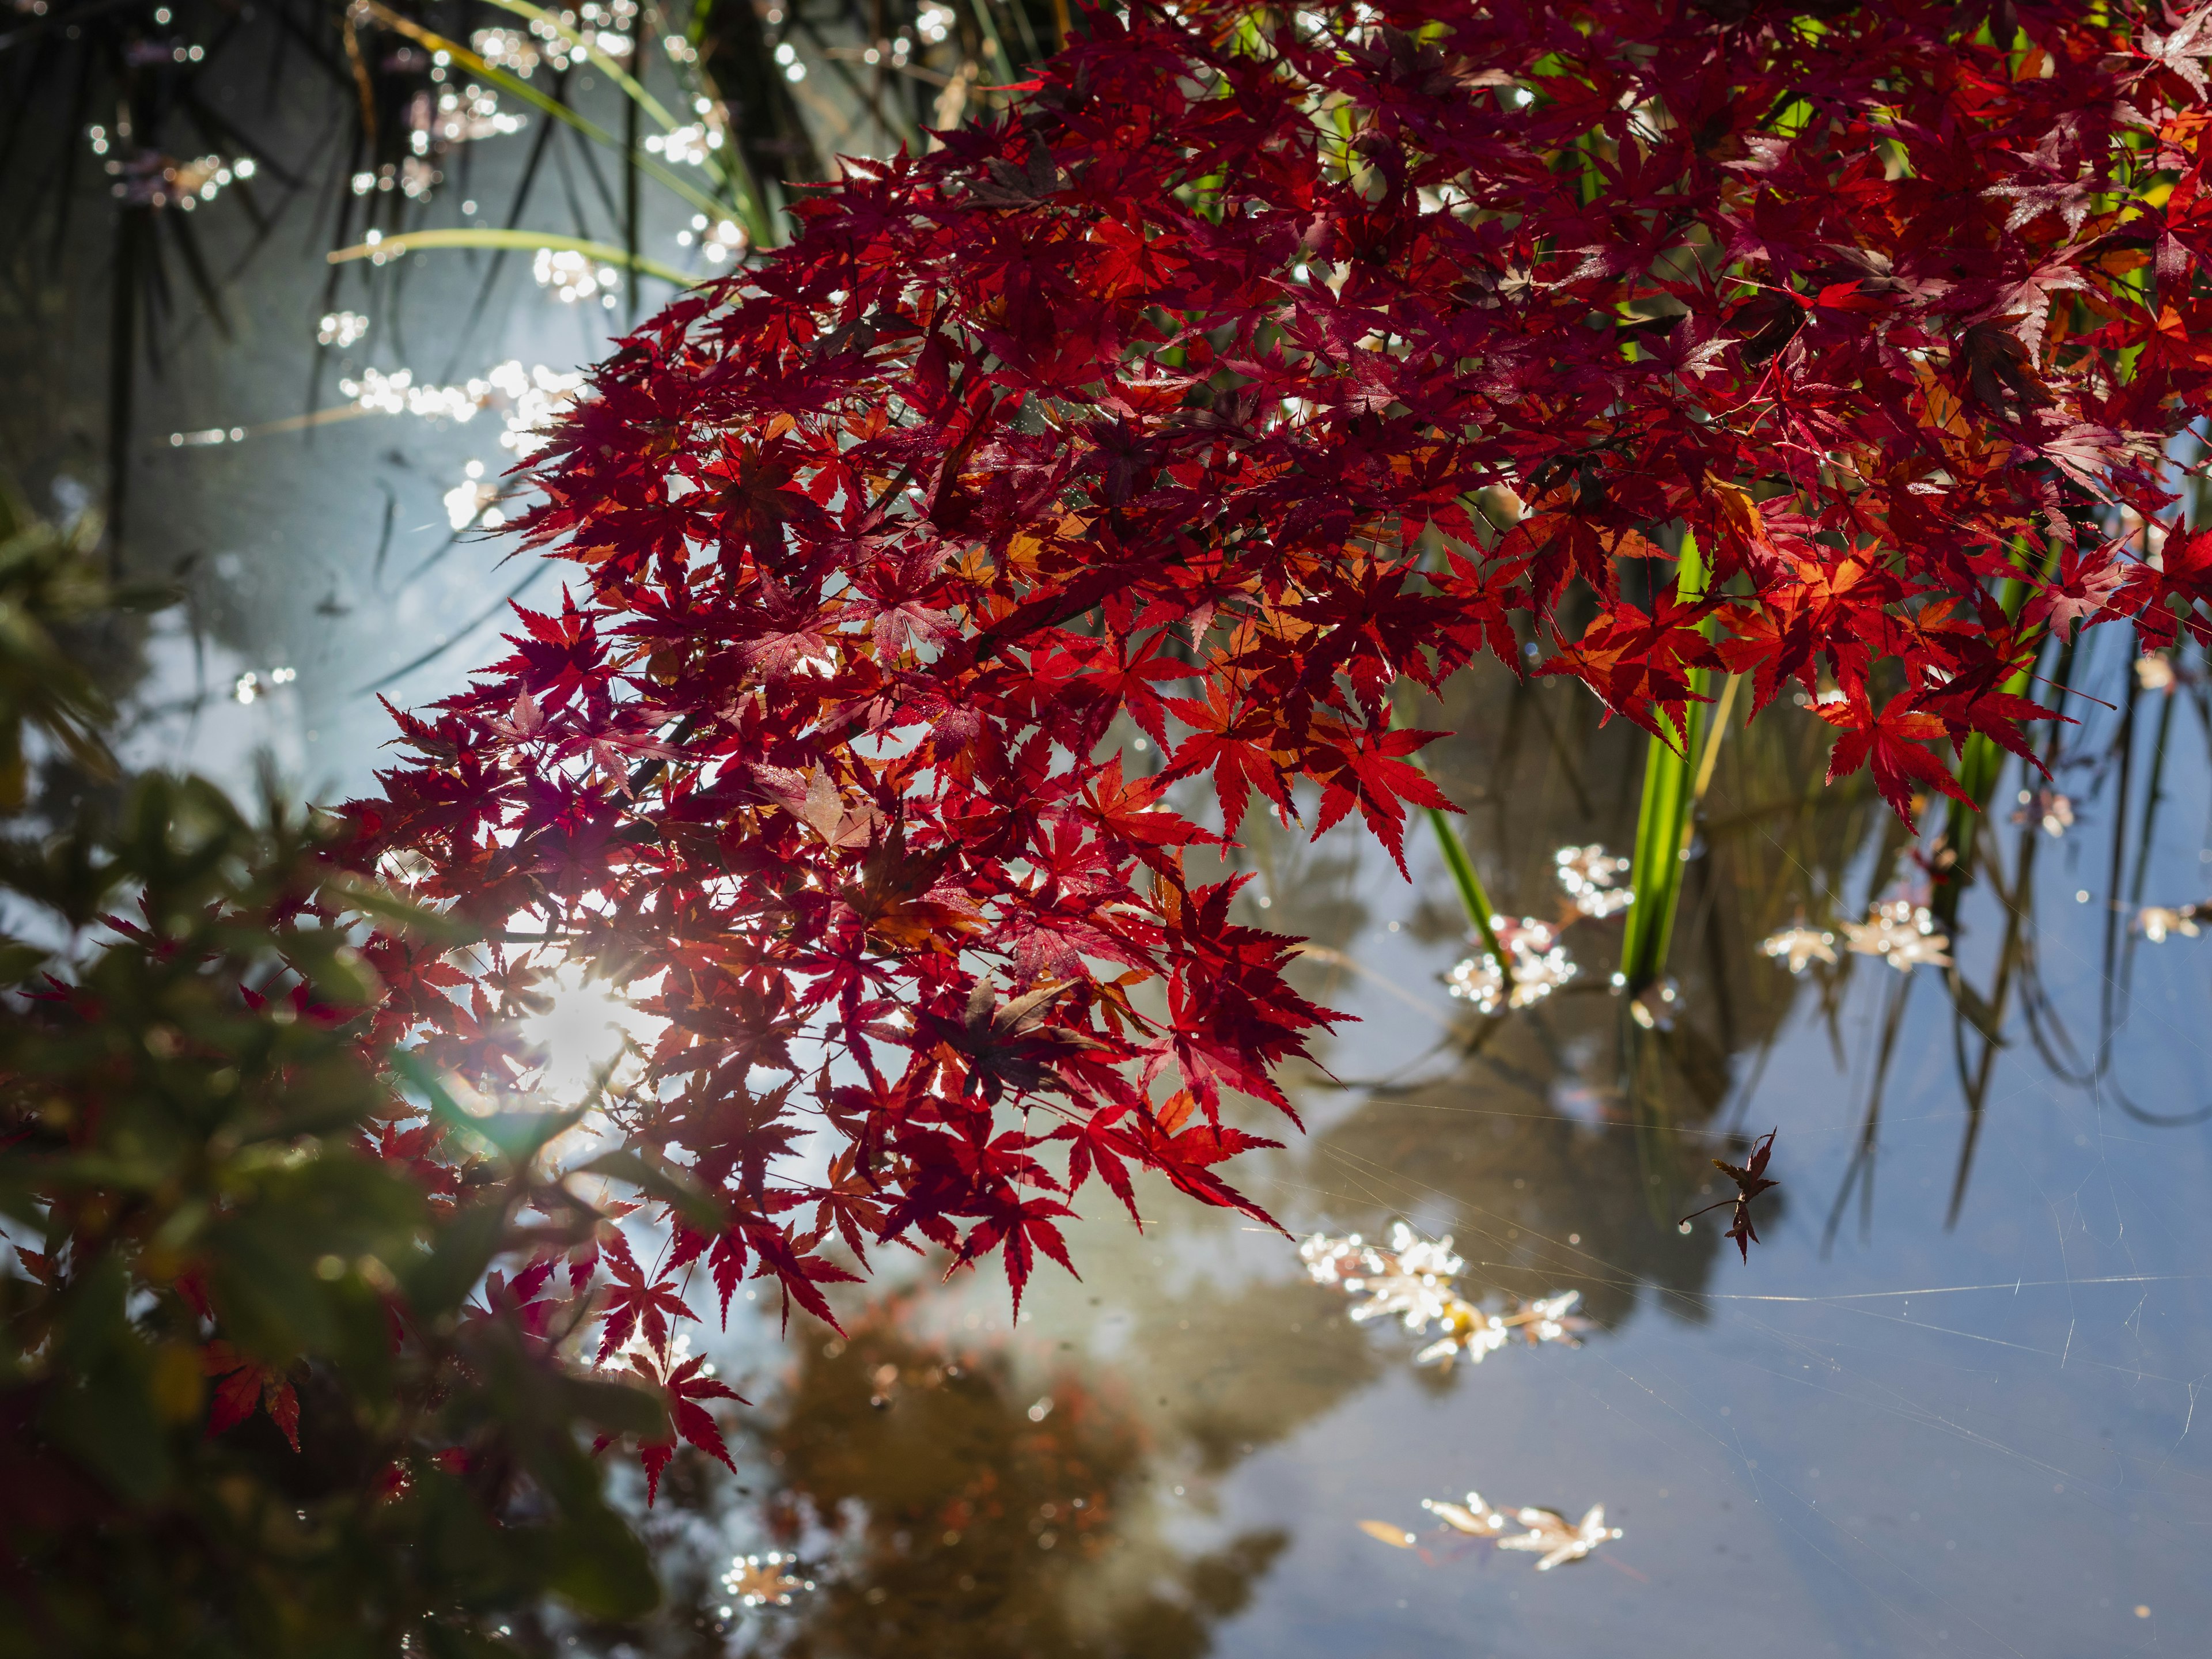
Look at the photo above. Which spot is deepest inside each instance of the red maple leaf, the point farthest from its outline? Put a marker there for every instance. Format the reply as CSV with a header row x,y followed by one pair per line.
x,y
1890,742
243,1383
632,1303
1234,739
2164,595
1368,769
682,1389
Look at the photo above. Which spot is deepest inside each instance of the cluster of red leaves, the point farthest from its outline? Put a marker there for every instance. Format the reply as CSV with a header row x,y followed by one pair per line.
x,y
1254,363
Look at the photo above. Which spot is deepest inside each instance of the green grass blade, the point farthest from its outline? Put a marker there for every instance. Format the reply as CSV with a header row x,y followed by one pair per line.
x,y
581,46
529,94
630,208
508,240
730,176
1656,872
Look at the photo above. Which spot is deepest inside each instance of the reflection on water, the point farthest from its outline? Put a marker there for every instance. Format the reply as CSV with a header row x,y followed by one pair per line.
x,y
954,1492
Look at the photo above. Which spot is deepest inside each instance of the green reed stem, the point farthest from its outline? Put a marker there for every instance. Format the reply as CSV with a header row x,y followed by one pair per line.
x,y
1472,897
1663,820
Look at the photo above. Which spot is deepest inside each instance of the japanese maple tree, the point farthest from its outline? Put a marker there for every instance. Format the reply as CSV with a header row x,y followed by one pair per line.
x,y
1254,366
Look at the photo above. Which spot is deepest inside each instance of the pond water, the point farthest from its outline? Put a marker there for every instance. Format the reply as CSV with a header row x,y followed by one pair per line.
x,y
1948,1406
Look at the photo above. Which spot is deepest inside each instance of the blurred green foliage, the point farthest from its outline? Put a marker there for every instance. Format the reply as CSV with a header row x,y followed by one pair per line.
x,y
247,1405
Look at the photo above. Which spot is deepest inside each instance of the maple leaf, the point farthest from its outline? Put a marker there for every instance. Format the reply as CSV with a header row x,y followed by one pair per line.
x,y
682,1388
754,485
1369,770
1131,810
1010,1045
555,655
898,899
1236,741
2087,585
1640,662
2164,594
824,811
1890,741
1999,371
242,1383
2180,46
1750,1180
633,1303
1018,1228
1128,673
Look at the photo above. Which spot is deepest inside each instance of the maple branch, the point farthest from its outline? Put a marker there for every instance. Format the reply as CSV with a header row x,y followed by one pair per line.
x,y
647,770
1358,361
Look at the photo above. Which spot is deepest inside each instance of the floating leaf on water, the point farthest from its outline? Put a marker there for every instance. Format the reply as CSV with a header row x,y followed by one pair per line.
x,y
1411,1279
1544,1532
1469,1333
1473,1333
1549,1319
1474,1517
2053,810
770,1580
1557,1539
1384,1533
1902,933
1540,965
2159,922
1799,945
1478,979
1591,877
1750,1180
